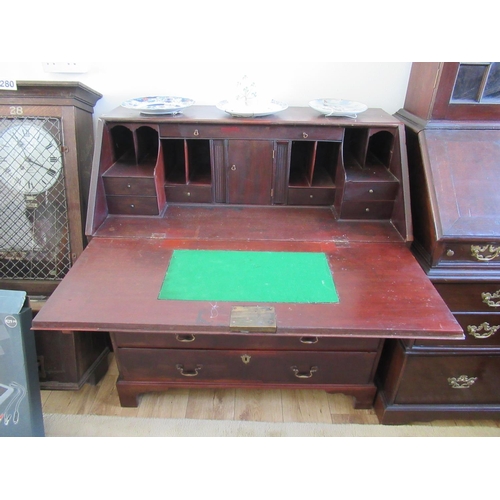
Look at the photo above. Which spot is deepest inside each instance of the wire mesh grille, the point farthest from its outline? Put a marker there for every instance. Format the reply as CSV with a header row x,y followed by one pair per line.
x,y
34,231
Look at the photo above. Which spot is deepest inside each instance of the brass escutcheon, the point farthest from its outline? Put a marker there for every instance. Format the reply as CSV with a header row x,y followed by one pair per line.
x,y
246,358
462,382
479,252
482,331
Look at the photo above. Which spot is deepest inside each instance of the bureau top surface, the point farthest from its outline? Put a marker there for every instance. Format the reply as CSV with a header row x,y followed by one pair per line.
x,y
115,284
290,116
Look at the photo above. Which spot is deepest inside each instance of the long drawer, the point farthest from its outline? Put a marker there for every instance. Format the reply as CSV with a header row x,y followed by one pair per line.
x,y
442,379
257,366
244,341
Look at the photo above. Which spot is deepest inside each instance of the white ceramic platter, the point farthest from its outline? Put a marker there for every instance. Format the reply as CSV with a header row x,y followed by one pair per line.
x,y
158,105
235,108
338,107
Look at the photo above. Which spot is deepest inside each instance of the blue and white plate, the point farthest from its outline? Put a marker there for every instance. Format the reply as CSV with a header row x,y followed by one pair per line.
x,y
158,105
338,107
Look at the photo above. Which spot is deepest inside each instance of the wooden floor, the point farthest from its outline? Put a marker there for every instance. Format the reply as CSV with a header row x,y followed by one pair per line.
x,y
230,404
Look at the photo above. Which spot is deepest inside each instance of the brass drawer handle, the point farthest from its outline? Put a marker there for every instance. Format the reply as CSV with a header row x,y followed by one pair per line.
x,y
312,370
185,338
478,252
488,298
462,382
309,340
193,373
482,331
305,135
196,132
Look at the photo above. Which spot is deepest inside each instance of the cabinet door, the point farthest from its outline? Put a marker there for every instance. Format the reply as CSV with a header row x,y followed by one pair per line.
x,y
249,172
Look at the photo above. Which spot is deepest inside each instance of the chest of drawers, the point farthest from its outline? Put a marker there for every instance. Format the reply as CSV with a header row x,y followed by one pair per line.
x,y
454,167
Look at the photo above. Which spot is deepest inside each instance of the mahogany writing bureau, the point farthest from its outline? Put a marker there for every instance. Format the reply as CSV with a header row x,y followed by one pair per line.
x,y
286,183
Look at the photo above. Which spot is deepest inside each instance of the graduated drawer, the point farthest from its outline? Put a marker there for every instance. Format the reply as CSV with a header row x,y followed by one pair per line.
x,y
129,186
370,191
366,209
448,379
481,331
311,196
244,341
246,365
132,205
465,297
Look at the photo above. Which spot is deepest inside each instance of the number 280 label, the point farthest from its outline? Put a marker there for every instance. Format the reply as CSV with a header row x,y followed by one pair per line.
x,y
8,84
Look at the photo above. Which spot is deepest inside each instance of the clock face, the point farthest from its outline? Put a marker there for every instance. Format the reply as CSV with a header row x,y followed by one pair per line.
x,y
30,159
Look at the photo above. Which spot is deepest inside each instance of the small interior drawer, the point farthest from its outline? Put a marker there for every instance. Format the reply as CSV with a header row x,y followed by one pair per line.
x,y
129,186
189,193
311,196
370,191
371,210
132,205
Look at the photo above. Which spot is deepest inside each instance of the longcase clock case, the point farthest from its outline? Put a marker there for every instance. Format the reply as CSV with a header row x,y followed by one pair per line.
x,y
46,146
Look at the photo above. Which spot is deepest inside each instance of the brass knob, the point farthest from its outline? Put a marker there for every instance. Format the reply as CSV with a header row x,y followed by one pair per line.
x,y
233,167
196,132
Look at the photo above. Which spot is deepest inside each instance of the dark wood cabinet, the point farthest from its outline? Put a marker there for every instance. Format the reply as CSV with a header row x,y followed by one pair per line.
x,y
46,147
293,182
452,119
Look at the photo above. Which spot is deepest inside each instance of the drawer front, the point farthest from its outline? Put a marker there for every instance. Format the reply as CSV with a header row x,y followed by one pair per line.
x,y
481,331
370,191
243,341
483,254
450,380
475,297
132,205
311,196
129,186
366,210
189,194
253,132
252,366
